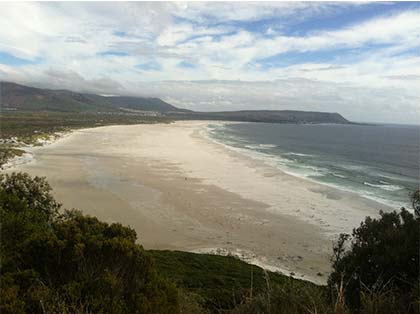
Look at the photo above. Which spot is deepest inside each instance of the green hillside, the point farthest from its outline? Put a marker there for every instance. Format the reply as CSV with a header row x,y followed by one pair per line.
x,y
221,281
23,98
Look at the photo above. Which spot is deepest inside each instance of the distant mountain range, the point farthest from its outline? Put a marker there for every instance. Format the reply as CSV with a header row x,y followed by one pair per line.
x,y
19,97
23,98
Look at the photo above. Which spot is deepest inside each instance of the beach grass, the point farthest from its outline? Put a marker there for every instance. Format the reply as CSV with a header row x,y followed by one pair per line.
x,y
223,282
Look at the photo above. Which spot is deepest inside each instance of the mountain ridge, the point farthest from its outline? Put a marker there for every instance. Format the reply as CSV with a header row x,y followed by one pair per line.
x,y
19,97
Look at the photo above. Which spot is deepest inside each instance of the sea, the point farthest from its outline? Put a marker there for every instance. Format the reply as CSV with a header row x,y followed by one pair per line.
x,y
378,162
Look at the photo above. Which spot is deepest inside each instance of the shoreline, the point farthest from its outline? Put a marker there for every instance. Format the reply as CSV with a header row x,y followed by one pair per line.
x,y
263,159
328,190
27,156
179,191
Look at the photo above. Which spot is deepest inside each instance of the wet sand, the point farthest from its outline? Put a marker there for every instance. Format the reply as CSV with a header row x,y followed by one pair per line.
x,y
180,190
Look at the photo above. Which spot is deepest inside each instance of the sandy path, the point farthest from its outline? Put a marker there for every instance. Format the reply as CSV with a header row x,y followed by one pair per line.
x,y
179,190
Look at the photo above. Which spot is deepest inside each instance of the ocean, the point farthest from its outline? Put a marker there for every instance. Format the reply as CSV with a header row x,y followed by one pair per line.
x,y
379,162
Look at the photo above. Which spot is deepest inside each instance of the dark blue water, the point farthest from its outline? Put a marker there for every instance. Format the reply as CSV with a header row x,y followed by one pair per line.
x,y
380,162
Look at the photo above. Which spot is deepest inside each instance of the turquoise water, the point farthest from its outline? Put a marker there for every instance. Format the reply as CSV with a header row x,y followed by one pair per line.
x,y
380,162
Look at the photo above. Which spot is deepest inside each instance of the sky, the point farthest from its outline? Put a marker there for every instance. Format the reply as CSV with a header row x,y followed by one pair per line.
x,y
360,59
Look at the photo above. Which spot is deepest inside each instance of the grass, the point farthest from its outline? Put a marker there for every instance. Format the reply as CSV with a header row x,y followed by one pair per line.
x,y
222,282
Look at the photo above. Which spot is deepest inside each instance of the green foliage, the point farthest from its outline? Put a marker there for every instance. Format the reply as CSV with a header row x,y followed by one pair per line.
x,y
27,210
415,202
290,297
383,252
29,126
192,303
34,193
223,282
58,263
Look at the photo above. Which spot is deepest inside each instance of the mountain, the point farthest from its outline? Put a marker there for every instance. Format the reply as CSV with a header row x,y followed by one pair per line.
x,y
268,116
137,103
23,98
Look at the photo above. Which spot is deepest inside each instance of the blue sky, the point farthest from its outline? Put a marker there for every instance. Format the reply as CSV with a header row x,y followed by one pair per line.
x,y
327,56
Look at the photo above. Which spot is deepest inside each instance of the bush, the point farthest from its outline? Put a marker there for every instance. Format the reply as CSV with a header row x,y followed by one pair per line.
x,y
383,258
290,297
70,263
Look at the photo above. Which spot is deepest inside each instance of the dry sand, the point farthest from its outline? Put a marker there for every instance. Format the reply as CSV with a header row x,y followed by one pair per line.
x,y
180,190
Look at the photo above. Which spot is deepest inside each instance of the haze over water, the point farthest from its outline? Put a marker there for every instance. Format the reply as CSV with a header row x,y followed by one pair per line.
x,y
378,162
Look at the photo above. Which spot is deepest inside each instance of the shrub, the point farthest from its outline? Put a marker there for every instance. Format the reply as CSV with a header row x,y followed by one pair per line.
x,y
290,297
70,263
383,258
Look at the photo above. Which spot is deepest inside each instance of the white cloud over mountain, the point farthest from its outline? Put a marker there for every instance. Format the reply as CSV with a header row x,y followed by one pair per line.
x,y
342,57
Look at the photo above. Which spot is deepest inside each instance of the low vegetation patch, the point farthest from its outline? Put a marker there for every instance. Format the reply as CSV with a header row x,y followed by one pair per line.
x,y
223,282
7,153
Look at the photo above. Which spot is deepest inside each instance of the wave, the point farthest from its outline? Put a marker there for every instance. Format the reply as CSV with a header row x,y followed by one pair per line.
x,y
260,146
298,154
314,171
386,187
267,146
383,192
338,175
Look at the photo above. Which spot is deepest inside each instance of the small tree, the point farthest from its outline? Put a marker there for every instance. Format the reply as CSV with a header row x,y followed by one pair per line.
x,y
33,192
380,250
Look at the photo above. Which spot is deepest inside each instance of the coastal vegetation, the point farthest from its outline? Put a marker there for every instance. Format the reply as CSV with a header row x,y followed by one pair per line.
x,y
55,260
383,256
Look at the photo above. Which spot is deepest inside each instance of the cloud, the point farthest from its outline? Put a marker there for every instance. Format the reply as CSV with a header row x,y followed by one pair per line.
x,y
223,55
354,102
56,79
403,77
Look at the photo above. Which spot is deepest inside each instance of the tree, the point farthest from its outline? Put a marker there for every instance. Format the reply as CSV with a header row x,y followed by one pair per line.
x,y
64,262
383,250
27,210
34,193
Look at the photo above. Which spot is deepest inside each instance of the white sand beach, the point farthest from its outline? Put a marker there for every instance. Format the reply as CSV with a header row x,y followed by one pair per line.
x,y
180,190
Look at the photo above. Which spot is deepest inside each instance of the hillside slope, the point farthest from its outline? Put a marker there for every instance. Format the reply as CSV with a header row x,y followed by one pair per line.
x,y
268,116
19,97
15,97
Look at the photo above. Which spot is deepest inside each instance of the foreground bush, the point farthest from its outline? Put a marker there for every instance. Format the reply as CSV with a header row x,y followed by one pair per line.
x,y
70,263
378,265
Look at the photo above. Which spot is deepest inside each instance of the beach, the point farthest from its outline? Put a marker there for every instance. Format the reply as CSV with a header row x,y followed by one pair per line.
x,y
180,190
